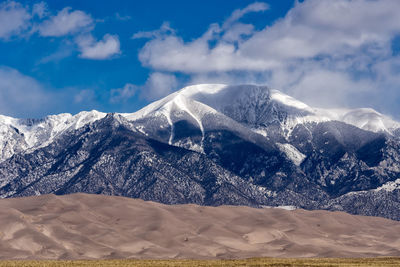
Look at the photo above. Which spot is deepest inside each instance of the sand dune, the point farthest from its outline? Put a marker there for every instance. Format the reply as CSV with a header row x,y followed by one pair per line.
x,y
95,226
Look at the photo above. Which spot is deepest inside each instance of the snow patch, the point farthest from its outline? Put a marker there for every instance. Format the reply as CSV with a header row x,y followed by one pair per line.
x,y
289,101
390,186
281,207
286,207
292,153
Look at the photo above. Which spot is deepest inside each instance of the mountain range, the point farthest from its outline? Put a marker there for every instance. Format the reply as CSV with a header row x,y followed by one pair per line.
x,y
212,144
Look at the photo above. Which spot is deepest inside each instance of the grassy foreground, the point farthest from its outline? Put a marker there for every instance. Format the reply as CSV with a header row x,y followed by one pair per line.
x,y
247,262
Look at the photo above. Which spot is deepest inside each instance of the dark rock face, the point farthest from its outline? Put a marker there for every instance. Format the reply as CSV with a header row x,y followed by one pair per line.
x,y
344,167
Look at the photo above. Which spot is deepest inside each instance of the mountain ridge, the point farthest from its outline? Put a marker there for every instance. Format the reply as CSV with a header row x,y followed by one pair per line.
x,y
37,131
212,145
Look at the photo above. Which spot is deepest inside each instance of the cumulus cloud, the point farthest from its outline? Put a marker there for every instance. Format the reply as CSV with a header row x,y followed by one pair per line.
x,y
17,20
66,22
336,28
106,48
79,24
14,19
123,94
169,52
319,48
312,28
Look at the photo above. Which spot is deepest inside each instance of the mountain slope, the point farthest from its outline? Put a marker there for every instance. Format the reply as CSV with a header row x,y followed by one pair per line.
x,y
107,157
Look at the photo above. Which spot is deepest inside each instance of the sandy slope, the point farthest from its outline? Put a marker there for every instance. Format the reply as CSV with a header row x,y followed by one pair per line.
x,y
95,226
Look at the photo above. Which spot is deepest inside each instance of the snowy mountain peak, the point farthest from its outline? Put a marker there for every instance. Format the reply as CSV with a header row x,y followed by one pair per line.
x,y
22,134
46,129
259,106
250,104
363,118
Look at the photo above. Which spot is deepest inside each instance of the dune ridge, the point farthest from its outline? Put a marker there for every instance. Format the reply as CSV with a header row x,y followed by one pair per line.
x,y
83,226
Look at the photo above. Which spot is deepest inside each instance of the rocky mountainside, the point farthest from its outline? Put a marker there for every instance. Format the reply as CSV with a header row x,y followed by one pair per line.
x,y
212,145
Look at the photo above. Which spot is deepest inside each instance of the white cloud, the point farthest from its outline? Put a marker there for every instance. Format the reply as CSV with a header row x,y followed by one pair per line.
x,y
86,95
239,13
312,28
124,93
40,10
106,48
63,51
164,29
319,48
24,96
14,18
159,85
325,88
167,51
336,28
78,23
20,94
236,31
66,22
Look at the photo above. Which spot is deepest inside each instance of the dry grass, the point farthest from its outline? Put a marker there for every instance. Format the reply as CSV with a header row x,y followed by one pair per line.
x,y
247,262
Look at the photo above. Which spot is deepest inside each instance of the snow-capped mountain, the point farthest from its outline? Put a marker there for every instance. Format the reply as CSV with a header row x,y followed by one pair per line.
x,y
259,105
18,135
255,108
244,108
212,144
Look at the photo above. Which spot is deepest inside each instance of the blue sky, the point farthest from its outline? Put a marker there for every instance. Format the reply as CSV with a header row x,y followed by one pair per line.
x,y
117,56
